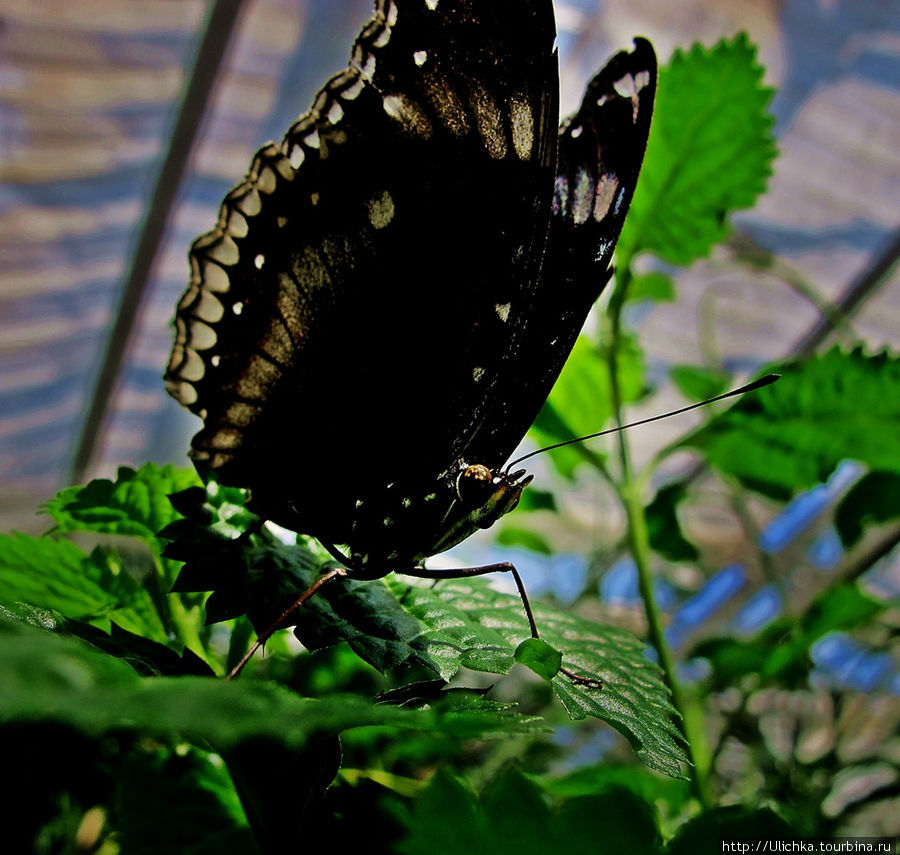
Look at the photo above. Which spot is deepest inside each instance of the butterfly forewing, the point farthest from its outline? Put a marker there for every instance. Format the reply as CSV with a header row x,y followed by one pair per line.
x,y
341,331
394,288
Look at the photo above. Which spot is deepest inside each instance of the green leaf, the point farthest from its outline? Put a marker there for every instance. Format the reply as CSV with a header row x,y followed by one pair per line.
x,y
468,623
875,498
707,832
709,154
535,499
136,503
458,623
50,678
647,785
513,817
513,535
445,819
540,657
654,286
56,574
582,393
192,790
791,435
663,528
698,383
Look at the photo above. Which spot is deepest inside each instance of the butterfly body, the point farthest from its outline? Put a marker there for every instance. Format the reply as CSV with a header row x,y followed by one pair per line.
x,y
389,295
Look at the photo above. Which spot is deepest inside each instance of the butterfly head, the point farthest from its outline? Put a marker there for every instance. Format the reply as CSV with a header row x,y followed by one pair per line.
x,y
486,495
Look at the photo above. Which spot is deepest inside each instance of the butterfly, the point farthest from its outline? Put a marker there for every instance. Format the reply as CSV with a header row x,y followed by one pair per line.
x,y
389,295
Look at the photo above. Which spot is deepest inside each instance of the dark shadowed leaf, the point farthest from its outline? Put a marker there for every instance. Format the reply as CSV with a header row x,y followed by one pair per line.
x,y
874,499
663,527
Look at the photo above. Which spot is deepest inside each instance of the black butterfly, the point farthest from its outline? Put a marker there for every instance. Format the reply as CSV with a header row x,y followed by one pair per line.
x,y
389,295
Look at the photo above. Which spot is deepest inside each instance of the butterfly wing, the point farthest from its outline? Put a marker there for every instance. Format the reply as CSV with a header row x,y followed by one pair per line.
x,y
341,335
601,149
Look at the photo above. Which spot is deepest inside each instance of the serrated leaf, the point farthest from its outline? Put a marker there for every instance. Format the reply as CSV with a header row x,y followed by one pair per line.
x,y
136,503
49,678
468,623
465,623
698,384
709,154
875,498
56,574
792,435
663,527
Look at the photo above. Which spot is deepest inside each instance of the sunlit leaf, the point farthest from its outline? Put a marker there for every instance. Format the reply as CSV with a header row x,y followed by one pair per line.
x,y
468,623
709,154
792,435
56,574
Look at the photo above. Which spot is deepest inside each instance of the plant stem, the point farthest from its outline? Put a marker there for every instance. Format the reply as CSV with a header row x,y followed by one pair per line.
x,y
630,492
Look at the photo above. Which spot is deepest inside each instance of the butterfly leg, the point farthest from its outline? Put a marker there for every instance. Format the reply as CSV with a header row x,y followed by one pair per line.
x,y
502,567
324,579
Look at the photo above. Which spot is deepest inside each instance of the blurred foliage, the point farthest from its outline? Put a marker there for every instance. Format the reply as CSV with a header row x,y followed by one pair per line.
x,y
421,717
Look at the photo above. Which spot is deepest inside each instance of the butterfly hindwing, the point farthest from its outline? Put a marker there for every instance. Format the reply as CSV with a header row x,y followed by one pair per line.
x,y
601,149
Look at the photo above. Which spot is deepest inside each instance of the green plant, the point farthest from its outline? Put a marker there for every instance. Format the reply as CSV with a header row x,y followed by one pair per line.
x,y
126,741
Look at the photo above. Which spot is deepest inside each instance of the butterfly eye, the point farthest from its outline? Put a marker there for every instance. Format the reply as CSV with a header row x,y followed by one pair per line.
x,y
474,485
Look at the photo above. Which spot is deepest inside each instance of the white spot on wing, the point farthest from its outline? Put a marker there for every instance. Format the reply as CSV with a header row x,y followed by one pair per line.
x,y
629,87
237,308
522,127
478,373
392,14
420,57
431,4
408,113
381,210
502,310
486,115
259,261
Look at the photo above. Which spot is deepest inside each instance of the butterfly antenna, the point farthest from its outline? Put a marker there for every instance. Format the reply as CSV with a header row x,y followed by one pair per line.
x,y
749,387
